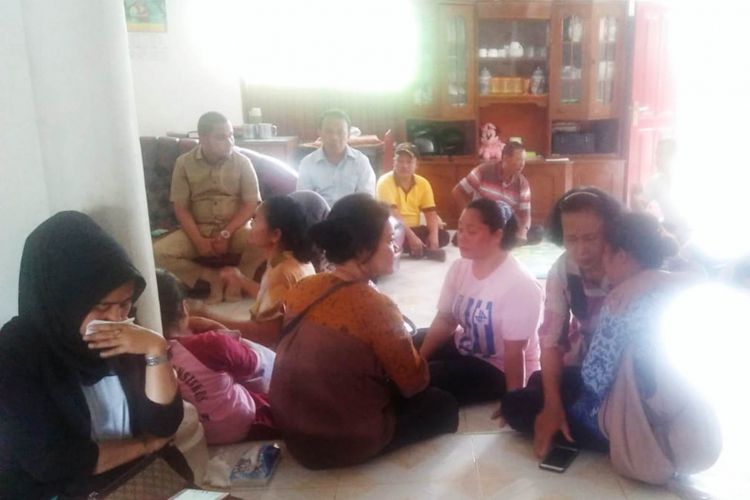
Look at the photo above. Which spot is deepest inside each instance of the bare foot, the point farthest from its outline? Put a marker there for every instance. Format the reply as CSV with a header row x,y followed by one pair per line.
x,y
233,293
231,275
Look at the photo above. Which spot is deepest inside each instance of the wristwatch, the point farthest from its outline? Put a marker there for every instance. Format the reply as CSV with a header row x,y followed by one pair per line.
x,y
225,234
157,360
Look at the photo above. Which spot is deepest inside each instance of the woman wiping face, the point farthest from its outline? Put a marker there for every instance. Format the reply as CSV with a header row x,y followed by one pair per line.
x,y
75,406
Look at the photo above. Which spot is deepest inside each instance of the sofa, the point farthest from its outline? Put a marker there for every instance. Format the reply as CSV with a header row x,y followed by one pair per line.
x,y
159,155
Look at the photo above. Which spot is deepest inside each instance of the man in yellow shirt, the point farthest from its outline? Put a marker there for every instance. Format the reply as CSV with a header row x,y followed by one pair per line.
x,y
410,195
214,192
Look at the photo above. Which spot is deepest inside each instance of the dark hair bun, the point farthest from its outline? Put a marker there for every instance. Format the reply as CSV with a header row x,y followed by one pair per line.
x,y
669,246
353,228
642,236
334,239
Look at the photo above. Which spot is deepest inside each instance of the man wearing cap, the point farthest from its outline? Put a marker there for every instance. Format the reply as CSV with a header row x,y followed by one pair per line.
x,y
335,169
214,193
500,181
409,195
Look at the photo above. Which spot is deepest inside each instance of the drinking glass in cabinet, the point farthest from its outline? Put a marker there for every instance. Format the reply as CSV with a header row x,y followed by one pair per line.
x,y
574,30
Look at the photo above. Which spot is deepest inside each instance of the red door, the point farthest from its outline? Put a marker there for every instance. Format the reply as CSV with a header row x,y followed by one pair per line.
x,y
652,91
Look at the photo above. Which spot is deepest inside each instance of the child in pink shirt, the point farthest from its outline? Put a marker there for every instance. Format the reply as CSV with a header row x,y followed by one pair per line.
x,y
224,376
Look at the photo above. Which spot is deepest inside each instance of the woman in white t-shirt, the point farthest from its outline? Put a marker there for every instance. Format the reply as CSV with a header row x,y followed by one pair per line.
x,y
483,341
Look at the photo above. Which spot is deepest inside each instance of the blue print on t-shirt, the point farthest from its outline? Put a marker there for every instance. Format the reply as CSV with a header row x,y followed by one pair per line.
x,y
475,316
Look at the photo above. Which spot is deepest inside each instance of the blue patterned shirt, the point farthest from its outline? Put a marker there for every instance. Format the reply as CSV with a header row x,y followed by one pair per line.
x,y
637,325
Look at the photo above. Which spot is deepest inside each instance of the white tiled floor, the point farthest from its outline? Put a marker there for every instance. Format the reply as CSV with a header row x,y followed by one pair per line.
x,y
479,461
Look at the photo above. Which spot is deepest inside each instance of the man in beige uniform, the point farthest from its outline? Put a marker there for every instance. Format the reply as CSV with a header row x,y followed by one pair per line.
x,y
214,192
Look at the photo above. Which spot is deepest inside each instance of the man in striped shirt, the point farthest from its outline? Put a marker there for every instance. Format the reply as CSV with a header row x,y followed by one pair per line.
x,y
500,181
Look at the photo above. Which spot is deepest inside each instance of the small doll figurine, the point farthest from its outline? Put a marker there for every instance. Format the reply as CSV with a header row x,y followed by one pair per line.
x,y
492,146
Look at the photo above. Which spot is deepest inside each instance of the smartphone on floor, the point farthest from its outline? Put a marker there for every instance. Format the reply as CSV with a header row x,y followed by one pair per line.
x,y
559,458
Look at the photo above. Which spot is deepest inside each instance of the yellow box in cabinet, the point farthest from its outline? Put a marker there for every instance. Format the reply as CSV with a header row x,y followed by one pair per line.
x,y
506,85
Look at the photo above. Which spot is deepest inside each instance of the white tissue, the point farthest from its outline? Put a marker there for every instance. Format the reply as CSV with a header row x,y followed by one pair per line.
x,y
95,322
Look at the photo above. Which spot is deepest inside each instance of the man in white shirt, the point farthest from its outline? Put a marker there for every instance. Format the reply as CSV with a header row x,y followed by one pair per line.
x,y
336,170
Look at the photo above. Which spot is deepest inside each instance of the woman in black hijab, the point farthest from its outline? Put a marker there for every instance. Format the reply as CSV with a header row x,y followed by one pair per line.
x,y
75,407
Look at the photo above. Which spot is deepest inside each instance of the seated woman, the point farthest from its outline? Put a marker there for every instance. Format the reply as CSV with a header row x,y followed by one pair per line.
x,y
348,383
575,290
280,229
75,406
227,378
483,340
635,249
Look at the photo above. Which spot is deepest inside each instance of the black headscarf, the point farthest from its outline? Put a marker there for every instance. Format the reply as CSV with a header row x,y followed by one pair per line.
x,y
68,265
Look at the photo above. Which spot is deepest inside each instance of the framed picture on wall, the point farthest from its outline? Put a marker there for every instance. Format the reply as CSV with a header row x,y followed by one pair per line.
x,y
146,15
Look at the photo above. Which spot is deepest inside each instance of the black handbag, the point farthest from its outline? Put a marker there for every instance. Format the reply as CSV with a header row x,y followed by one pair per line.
x,y
158,476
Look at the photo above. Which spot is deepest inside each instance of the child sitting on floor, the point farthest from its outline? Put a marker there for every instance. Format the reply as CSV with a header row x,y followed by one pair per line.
x,y
224,376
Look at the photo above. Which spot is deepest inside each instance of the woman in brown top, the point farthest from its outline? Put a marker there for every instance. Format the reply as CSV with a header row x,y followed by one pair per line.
x,y
348,382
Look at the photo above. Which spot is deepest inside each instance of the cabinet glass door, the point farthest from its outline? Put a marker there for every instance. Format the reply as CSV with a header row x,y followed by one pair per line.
x,y
423,95
605,60
607,56
571,69
457,99
456,58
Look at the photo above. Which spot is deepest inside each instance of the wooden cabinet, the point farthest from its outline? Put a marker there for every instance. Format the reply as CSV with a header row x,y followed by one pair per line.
x,y
580,47
605,173
443,174
444,87
512,66
548,181
586,60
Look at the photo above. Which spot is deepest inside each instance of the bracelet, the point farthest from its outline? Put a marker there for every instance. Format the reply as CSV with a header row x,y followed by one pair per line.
x,y
157,360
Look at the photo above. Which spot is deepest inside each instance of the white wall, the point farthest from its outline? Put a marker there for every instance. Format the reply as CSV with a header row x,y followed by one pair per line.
x,y
23,192
175,80
69,139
